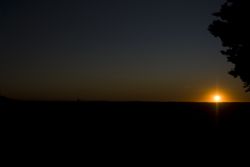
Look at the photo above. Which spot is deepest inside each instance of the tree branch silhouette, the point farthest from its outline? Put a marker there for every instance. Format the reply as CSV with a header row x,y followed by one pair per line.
x,y
232,27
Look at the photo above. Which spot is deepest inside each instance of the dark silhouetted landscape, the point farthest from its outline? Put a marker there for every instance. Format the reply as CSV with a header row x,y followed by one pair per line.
x,y
126,117
126,131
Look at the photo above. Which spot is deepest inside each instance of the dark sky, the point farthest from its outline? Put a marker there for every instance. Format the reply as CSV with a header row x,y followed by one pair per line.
x,y
112,50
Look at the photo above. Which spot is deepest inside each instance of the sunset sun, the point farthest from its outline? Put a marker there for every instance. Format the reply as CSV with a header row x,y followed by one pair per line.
x,y
217,98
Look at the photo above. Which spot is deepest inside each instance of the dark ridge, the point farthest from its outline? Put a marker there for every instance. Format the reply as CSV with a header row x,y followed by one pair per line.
x,y
121,126
5,100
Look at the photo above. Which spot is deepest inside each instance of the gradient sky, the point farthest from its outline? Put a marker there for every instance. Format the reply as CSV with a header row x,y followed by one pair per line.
x,y
112,50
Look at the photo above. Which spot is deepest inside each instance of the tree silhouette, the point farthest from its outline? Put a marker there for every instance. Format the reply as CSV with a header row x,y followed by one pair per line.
x,y
232,27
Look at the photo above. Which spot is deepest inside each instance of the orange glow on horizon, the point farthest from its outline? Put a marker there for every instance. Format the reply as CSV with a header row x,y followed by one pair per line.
x,y
216,97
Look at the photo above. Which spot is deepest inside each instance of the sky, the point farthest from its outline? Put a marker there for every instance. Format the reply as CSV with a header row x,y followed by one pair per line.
x,y
128,50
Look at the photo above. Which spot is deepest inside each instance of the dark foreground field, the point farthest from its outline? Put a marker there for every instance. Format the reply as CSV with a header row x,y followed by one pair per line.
x,y
128,116
134,127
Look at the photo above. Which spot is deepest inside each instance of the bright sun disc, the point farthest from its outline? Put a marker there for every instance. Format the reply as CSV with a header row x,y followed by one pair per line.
x,y
217,98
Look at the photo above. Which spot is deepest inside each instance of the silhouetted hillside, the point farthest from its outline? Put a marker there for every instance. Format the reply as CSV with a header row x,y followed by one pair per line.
x,y
4,100
191,116
126,127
